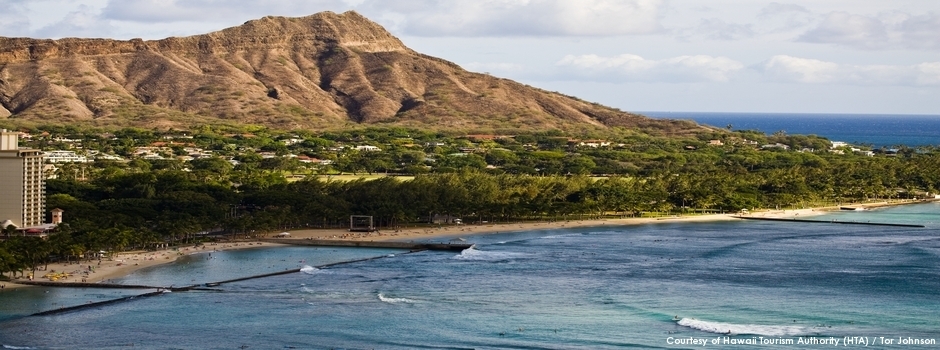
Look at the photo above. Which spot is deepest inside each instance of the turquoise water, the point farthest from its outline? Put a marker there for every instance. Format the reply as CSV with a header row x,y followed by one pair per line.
x,y
645,286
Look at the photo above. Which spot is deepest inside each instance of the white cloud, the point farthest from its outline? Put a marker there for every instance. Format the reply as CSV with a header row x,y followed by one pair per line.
x,y
886,31
529,17
848,29
494,67
82,23
928,73
717,29
13,18
804,70
627,67
776,8
921,31
163,11
422,17
784,18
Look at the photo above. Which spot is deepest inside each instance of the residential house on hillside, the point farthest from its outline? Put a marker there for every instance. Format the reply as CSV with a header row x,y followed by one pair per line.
x,y
105,156
837,144
150,152
64,157
196,152
741,141
594,143
486,137
776,145
367,148
292,141
863,152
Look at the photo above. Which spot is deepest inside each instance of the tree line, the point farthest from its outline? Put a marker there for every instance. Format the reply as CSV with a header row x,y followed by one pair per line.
x,y
137,209
114,206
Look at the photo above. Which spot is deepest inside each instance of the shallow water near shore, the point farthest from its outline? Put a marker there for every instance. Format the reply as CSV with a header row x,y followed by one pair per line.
x,y
580,288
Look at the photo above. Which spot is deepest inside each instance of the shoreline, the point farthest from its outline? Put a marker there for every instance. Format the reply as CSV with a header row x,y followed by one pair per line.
x,y
123,264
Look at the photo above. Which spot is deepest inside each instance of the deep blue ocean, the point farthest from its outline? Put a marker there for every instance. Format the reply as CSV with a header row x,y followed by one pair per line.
x,y
662,285
877,130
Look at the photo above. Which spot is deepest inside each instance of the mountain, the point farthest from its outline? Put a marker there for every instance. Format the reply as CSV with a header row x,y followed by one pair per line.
x,y
322,71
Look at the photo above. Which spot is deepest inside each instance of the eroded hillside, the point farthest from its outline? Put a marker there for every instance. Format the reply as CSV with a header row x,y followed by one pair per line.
x,y
322,71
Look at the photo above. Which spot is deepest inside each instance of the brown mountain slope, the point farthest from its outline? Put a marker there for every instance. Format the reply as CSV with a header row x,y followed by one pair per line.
x,y
322,71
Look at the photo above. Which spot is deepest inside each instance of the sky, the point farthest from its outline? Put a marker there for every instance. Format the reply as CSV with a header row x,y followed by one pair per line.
x,y
786,56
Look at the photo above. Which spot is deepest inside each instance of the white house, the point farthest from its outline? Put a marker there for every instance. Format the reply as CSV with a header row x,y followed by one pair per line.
x,y
64,157
105,156
776,145
594,143
292,141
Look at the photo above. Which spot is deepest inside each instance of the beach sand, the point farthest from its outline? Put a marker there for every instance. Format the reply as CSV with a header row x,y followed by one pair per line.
x,y
123,264
451,230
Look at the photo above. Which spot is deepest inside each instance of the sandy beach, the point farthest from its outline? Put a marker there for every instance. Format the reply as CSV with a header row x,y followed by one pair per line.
x,y
122,264
125,263
455,231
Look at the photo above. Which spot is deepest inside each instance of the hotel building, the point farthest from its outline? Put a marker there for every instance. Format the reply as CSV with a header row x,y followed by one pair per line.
x,y
22,189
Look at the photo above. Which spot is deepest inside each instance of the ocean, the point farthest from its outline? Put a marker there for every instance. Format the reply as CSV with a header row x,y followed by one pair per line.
x,y
731,284
876,130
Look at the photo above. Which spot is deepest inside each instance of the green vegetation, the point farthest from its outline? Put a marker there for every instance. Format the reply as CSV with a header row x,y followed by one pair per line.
x,y
251,180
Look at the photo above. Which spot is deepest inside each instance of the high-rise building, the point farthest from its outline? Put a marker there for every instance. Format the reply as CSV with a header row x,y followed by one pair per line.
x,y
22,186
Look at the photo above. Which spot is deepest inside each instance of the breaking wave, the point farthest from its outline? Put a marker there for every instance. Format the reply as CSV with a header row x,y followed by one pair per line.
x,y
751,329
484,255
383,298
310,270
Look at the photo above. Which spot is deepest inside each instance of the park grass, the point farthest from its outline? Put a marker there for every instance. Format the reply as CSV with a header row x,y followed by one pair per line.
x,y
366,177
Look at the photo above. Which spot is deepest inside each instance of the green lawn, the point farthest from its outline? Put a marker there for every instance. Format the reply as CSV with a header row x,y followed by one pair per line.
x,y
351,177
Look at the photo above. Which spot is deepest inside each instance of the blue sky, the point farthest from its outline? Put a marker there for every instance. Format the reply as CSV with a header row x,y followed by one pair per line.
x,y
812,56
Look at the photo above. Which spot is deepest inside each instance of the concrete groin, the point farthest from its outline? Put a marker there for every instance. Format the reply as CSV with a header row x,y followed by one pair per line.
x,y
287,272
829,222
370,244
204,286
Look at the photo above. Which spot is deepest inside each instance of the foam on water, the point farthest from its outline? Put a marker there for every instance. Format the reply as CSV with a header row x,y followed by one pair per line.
x,y
383,298
310,270
484,255
560,236
15,347
750,329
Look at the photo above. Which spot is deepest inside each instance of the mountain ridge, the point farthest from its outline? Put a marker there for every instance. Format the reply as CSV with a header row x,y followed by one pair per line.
x,y
321,71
